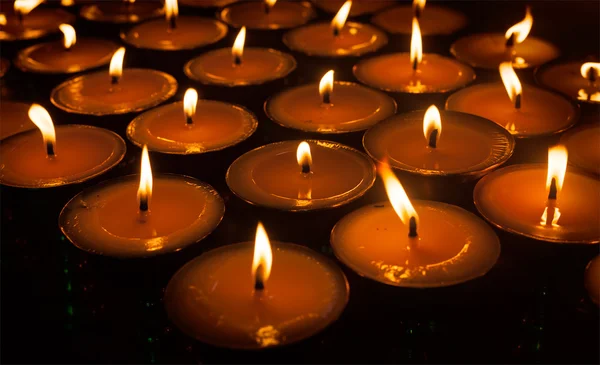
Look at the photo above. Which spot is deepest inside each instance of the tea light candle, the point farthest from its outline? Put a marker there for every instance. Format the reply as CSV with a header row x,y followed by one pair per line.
x,y
413,72
336,39
577,80
169,213
122,11
530,200
229,297
239,66
526,111
488,50
118,92
433,143
359,7
14,118
267,14
70,55
192,126
584,149
419,244
330,107
592,279
23,20
301,175
55,159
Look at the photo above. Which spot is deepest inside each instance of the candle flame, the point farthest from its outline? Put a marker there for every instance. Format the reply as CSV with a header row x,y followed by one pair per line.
x,y
69,35
190,99
557,166
418,6
144,192
238,46
416,44
520,31
41,118
67,2
588,67
432,121
326,85
270,3
263,256
511,81
171,10
129,1
303,156
340,18
116,63
24,7
395,192
2,19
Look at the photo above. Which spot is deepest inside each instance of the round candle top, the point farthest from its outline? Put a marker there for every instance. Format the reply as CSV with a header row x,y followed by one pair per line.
x,y
106,219
567,78
137,90
207,3
592,279
584,149
433,20
541,112
38,23
253,14
359,7
352,107
274,176
25,161
258,65
121,12
515,198
400,140
215,125
190,32
452,246
354,39
394,72
212,298
4,66
14,118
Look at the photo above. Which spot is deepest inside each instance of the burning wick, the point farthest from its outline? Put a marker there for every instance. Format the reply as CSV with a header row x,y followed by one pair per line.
x,y
519,32
116,66
145,187
171,12
416,45
412,227
399,200
418,6
238,47
304,157
590,71
511,83
557,166
190,100
268,5
24,7
262,259
41,118
432,126
340,18
326,87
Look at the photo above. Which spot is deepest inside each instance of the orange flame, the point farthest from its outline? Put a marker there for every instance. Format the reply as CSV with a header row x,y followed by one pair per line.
x,y
238,46
416,44
41,118
116,64
521,29
171,10
304,157
70,36
418,6
144,192
2,19
67,2
326,86
340,18
395,192
24,7
270,3
190,100
432,121
557,166
511,82
590,66
263,256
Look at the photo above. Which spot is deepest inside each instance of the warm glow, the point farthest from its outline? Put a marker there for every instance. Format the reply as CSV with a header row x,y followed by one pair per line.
x,y
263,256
593,66
171,9
553,219
396,194
521,29
511,81
416,45
144,192
432,121
418,6
326,85
40,117
116,63
67,2
557,166
303,156
270,3
238,46
583,95
69,35
190,99
25,6
340,18
2,19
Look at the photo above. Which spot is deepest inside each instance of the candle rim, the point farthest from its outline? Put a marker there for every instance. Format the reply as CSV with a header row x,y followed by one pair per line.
x,y
573,155
224,15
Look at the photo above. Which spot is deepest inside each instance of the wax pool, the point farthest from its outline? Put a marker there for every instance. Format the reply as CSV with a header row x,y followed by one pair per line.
x,y
121,12
14,118
566,78
584,147
434,20
251,14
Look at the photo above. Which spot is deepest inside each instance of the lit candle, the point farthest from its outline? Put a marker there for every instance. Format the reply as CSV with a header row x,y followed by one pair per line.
x,y
117,92
526,111
239,66
70,55
192,126
267,14
433,143
336,39
55,159
531,200
414,244
330,107
413,72
122,11
14,118
177,33
584,149
24,20
488,50
580,81
139,216
301,175
256,295
359,7
592,279
433,19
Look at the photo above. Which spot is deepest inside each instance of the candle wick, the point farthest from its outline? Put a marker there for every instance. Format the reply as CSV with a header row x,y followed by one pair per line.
x,y
433,138
50,149
553,190
189,120
114,80
415,64
336,31
20,17
326,97
412,227
172,22
237,60
306,168
143,203
417,12
510,42
591,75
267,9
518,101
259,283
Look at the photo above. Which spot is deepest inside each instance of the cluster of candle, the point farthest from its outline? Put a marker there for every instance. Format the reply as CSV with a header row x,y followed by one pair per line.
x,y
399,242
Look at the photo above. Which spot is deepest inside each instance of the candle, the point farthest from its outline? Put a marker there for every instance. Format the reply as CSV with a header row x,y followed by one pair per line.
x,y
267,14
584,149
530,200
301,175
330,107
207,3
433,143
488,50
54,158
70,55
239,66
14,118
244,297
577,80
140,216
122,11
526,111
336,39
433,19
192,126
414,244
117,92
359,7
23,20
592,279
177,33
413,72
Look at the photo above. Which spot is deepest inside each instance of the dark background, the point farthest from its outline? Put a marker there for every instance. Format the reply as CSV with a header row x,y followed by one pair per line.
x,y
62,305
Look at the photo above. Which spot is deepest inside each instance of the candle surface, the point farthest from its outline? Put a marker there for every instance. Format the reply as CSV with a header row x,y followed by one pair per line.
x,y
514,198
216,125
25,162
317,39
38,23
583,144
541,112
401,142
488,50
394,72
353,108
452,246
433,20
566,78
137,90
259,65
592,279
270,176
359,7
212,298
251,14
105,219
121,12
207,3
14,118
